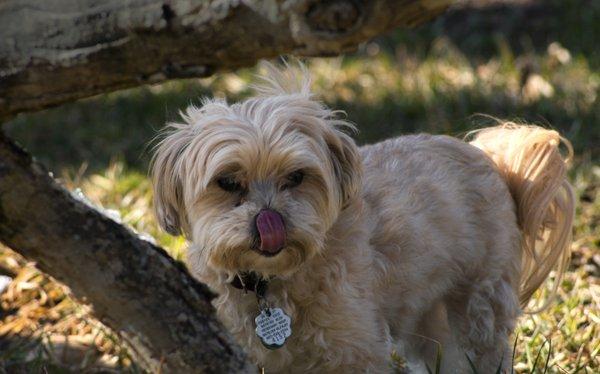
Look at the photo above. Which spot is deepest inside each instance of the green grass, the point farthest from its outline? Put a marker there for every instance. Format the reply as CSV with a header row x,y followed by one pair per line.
x,y
538,62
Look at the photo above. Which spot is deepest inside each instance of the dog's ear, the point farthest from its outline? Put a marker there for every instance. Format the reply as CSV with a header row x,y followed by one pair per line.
x,y
167,182
347,165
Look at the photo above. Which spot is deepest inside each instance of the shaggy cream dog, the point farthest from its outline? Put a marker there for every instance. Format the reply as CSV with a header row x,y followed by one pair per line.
x,y
409,244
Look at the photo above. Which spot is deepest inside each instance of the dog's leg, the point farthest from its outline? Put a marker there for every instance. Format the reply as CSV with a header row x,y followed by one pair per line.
x,y
438,342
482,320
362,346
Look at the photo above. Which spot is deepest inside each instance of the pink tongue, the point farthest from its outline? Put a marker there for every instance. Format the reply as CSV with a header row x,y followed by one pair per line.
x,y
270,228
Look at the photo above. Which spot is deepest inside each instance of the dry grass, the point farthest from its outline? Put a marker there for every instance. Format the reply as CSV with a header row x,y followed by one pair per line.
x,y
43,329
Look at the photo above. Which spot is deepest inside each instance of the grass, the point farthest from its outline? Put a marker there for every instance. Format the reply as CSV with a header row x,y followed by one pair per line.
x,y
532,61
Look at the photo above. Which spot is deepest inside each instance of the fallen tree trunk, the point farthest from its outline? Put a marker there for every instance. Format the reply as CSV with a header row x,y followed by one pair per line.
x,y
56,51
133,286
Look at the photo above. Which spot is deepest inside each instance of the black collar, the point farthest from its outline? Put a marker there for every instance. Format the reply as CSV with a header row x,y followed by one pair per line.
x,y
250,282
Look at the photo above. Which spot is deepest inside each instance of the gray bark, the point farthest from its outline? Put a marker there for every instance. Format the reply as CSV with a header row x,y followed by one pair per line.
x,y
54,51
134,286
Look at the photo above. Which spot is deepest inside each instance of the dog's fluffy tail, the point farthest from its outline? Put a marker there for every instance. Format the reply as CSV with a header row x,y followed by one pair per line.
x,y
530,160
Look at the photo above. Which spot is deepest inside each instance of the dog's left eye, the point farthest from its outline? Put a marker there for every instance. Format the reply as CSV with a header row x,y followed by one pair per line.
x,y
294,179
229,184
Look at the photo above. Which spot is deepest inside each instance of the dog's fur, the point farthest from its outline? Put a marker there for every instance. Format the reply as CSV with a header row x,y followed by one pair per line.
x,y
410,243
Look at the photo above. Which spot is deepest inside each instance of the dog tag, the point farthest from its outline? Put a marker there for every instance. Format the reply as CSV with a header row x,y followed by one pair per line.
x,y
273,327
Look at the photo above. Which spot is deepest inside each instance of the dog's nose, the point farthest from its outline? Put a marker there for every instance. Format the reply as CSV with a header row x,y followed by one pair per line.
x,y
271,231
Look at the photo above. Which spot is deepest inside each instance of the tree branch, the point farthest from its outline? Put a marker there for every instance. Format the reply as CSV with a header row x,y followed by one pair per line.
x,y
56,51
133,285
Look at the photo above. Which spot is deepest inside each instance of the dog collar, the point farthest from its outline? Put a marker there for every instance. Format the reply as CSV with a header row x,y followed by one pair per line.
x,y
250,281
273,326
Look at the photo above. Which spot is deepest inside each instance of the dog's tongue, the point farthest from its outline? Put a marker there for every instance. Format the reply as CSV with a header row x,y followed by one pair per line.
x,y
270,228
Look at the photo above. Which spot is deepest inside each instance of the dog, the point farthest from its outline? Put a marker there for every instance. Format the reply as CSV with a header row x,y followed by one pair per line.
x,y
410,245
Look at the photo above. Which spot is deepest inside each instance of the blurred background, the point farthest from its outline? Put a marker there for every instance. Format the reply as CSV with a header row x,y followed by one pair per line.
x,y
524,60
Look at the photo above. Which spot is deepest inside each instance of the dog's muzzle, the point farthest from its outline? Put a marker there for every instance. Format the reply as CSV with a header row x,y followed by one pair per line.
x,y
271,231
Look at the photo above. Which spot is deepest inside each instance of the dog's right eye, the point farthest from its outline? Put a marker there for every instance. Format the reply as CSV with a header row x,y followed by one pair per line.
x,y
229,184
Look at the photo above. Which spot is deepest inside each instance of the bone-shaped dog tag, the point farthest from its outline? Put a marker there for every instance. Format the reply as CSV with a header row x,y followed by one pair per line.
x,y
273,327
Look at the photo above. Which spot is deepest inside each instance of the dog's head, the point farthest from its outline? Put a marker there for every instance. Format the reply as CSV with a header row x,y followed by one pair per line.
x,y
256,185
